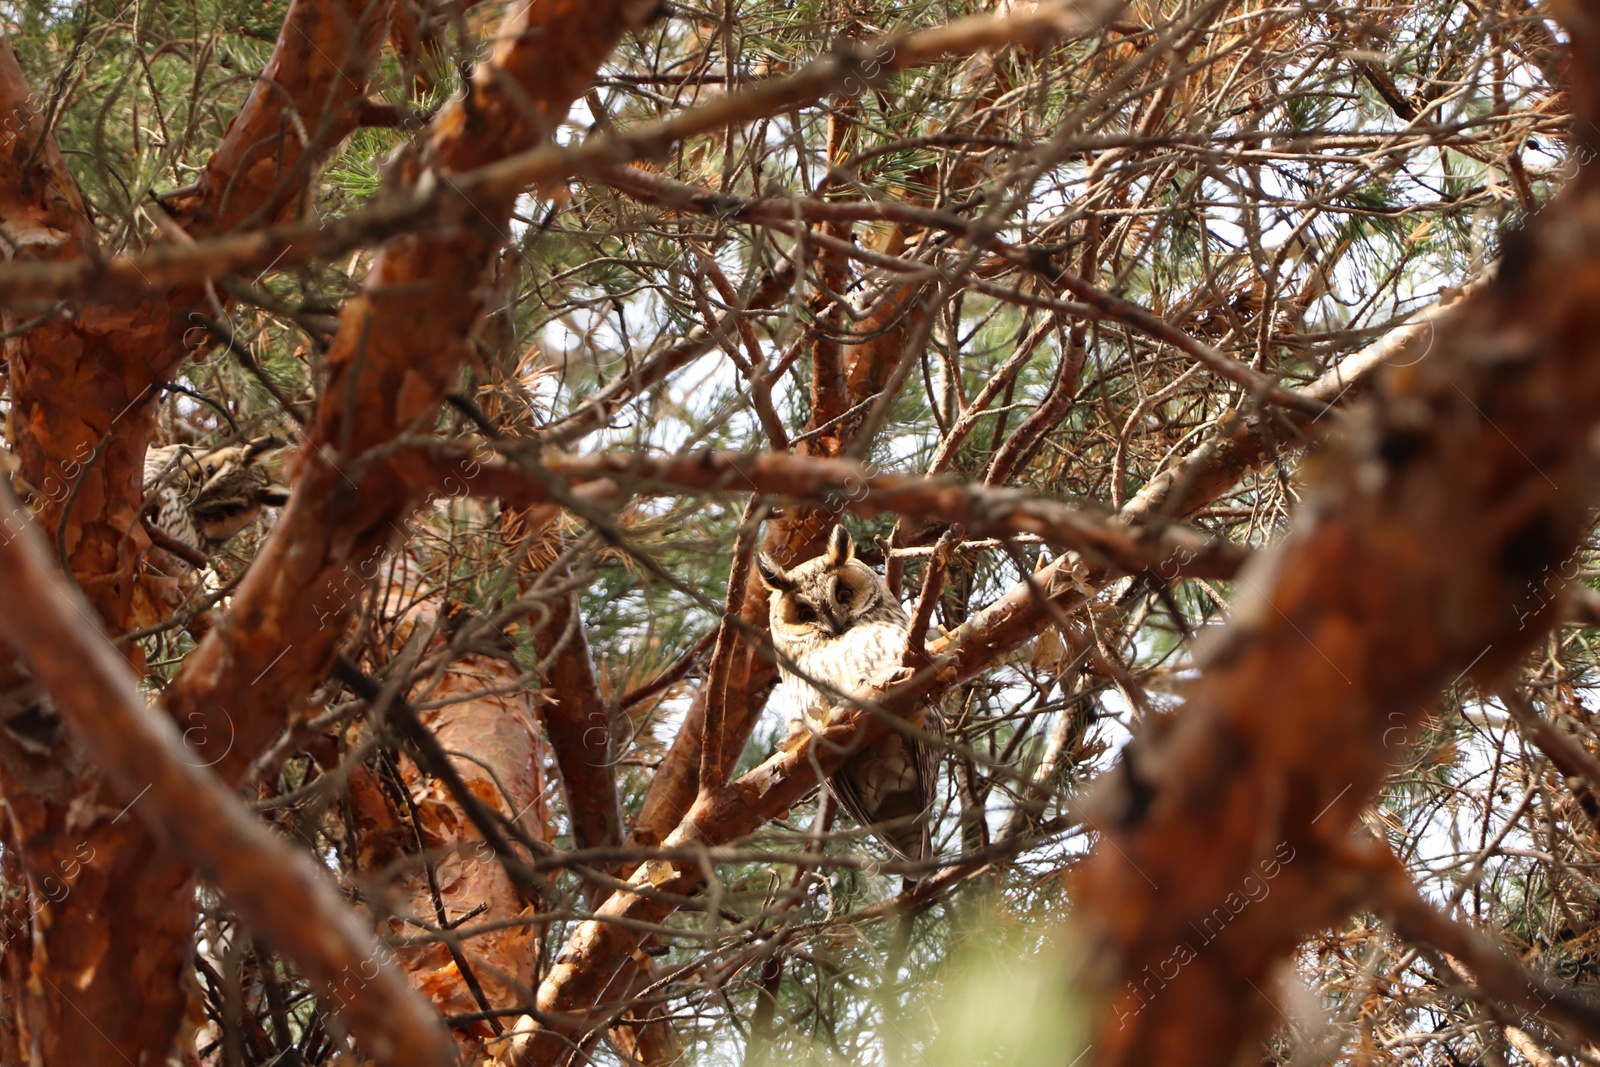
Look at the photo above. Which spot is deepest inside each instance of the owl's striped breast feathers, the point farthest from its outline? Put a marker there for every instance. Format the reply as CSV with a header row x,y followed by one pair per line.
x,y
203,497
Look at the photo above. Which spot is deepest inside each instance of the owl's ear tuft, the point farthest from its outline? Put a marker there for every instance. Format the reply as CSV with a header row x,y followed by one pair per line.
x,y
262,446
773,576
841,547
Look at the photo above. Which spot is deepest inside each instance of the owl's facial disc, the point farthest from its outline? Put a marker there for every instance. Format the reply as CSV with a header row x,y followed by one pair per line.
x,y
804,614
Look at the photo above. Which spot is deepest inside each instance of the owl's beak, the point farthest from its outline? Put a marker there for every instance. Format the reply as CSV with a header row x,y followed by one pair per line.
x,y
835,624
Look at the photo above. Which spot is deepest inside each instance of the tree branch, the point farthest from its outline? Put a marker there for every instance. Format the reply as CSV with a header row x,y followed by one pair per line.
x,y
1417,556
841,485
278,889
579,978
85,385
445,204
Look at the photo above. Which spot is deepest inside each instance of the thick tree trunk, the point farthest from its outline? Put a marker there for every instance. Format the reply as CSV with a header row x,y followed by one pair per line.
x,y
1427,546
83,392
84,388
456,881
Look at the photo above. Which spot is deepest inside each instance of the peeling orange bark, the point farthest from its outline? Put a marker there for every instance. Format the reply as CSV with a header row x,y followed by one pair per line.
x,y
575,717
1422,551
578,722
83,391
501,732
84,387
281,892
400,342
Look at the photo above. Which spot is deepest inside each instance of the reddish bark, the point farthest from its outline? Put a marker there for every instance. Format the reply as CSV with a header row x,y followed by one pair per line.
x,y
265,656
279,890
501,734
577,722
576,718
1426,547
83,389
651,1044
844,486
399,346
85,386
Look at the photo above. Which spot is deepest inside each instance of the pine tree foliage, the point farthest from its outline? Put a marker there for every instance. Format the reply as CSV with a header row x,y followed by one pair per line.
x,y
1111,274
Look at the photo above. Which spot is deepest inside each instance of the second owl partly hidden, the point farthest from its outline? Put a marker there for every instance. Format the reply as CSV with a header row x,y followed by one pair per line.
x,y
203,497
835,621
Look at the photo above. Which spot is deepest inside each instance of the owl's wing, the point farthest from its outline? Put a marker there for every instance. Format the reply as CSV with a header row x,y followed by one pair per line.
x,y
928,753
874,790
848,792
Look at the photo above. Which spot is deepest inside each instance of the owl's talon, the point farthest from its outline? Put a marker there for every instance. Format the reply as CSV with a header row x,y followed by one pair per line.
x,y
802,728
893,676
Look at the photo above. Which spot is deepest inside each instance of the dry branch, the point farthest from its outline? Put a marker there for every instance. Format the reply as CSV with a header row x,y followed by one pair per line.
x,y
782,213
1500,976
596,410
611,479
1206,474
1245,443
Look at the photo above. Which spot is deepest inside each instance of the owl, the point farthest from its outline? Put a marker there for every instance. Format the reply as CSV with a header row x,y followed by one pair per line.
x,y
203,497
835,621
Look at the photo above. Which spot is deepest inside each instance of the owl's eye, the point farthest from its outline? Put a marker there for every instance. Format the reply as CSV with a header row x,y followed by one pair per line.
x,y
806,613
845,594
